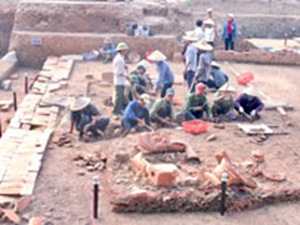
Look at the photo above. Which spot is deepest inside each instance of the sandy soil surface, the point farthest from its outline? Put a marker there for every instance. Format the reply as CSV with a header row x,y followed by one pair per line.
x,y
64,191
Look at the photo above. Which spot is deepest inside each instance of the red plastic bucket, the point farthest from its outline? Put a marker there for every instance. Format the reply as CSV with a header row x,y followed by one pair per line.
x,y
245,78
195,127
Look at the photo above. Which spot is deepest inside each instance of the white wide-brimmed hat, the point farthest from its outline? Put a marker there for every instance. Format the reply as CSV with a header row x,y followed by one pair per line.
x,y
190,36
249,91
215,64
146,98
157,56
122,46
202,45
143,63
79,104
209,10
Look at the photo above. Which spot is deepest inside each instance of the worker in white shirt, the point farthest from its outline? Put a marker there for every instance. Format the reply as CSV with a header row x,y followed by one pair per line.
x,y
120,79
209,32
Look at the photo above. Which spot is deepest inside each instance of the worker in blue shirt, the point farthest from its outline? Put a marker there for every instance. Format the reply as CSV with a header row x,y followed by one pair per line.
x,y
191,57
136,114
217,77
165,74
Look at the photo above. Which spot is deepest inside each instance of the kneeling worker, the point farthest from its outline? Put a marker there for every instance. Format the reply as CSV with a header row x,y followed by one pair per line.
x,y
248,104
223,106
87,119
217,77
196,104
161,112
136,114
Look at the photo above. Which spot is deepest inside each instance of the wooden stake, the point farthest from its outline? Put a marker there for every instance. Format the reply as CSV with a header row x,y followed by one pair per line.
x,y
15,101
26,85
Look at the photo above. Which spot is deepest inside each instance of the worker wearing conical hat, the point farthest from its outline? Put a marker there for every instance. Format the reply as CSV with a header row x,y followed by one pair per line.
x,y
88,120
223,106
120,79
139,80
248,104
165,75
205,60
217,78
190,55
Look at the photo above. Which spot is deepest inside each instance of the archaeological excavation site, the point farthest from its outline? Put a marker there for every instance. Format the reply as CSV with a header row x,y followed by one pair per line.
x,y
147,112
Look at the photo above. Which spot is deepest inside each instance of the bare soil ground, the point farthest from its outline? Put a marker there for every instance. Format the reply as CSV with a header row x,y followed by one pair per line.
x,y
64,191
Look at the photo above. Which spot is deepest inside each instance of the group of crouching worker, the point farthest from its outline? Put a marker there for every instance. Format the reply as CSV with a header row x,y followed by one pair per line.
x,y
140,105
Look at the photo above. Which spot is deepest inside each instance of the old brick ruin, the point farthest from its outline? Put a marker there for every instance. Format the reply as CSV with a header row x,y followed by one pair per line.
x,y
164,178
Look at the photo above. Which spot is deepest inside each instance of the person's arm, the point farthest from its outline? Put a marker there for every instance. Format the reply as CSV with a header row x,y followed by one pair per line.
x,y
188,104
235,31
206,108
260,105
224,31
155,108
130,111
188,58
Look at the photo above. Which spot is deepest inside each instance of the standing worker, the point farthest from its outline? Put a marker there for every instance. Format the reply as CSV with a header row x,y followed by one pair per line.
x,y
191,61
120,79
165,75
209,32
229,32
205,59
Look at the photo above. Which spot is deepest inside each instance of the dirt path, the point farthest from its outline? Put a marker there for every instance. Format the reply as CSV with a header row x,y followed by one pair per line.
x,y
63,191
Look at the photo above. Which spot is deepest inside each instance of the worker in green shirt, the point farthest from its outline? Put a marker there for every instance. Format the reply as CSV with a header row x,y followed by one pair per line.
x,y
196,105
223,106
161,113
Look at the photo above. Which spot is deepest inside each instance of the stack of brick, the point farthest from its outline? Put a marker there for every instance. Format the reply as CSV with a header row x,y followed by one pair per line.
x,y
22,149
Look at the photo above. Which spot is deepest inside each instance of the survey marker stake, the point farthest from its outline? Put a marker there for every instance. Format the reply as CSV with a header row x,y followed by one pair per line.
x,y
224,181
96,196
0,128
26,85
15,101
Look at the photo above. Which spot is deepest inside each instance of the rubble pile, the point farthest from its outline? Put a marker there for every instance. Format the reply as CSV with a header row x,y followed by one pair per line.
x,y
91,162
157,177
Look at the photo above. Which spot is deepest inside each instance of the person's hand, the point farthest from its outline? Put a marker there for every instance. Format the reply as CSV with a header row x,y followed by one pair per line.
x,y
253,113
241,110
141,122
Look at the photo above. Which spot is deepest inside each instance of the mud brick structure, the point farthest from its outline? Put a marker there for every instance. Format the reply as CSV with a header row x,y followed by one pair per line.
x,y
284,57
161,180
